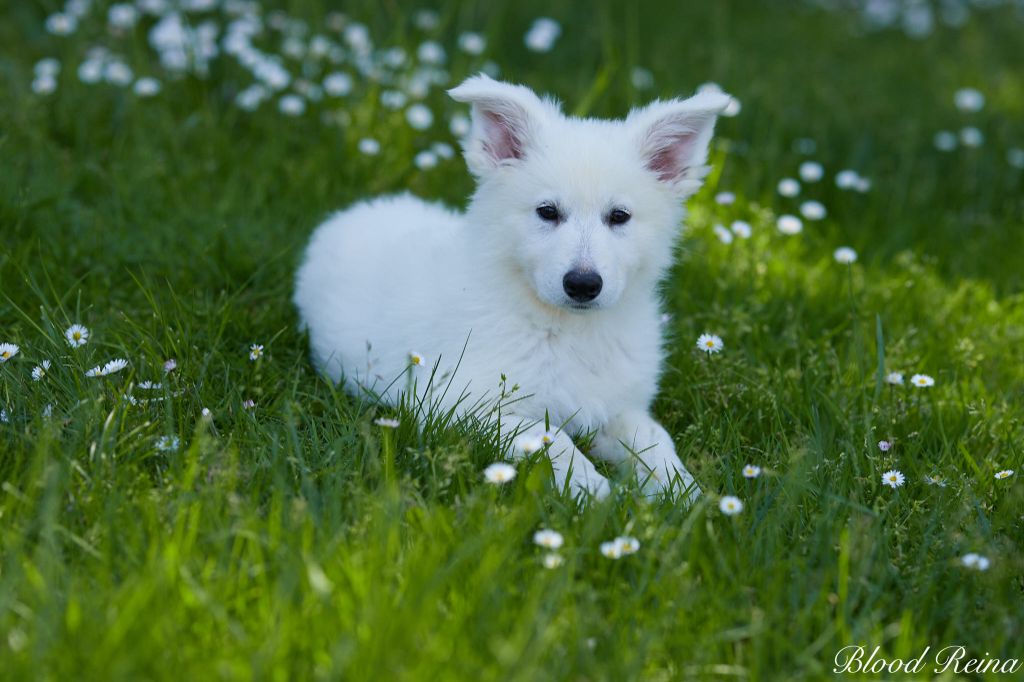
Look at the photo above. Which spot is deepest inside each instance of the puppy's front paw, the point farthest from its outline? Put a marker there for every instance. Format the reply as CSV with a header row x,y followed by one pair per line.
x,y
589,482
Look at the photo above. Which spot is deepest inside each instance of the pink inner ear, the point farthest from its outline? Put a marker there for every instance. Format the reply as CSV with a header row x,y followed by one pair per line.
x,y
669,159
502,141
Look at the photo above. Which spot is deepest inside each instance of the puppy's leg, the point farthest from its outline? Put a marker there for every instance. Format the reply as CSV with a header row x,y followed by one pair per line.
x,y
635,436
567,462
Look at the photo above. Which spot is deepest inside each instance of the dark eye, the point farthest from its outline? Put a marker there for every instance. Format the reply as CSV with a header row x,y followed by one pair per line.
x,y
618,216
548,212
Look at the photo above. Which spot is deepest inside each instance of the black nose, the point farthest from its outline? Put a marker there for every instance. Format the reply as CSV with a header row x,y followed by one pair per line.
x,y
582,285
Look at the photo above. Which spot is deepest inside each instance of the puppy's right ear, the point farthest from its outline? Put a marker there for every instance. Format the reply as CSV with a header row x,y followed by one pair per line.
x,y
505,121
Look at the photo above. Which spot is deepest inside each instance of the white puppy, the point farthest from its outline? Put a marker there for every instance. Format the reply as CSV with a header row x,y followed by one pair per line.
x,y
549,278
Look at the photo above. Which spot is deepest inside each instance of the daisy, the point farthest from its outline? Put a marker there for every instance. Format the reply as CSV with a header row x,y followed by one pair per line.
x,y
1015,157
548,539
542,35
1005,473
730,505
114,366
148,385
847,179
627,545
528,444
724,235
751,471
552,560
788,187
472,43
168,443
206,413
499,473
122,16
893,478
884,445
813,210
975,561
611,549
386,422
8,351
443,150
427,19
76,335
170,366
844,255
5,417
935,480
971,137
61,24
292,105
725,198
922,381
249,404
337,84
969,100
44,85
641,78
369,146
416,359
789,224
425,160
419,116
894,378
431,52
710,343
146,87
255,351
741,229
811,171
548,437
945,141
459,125
39,371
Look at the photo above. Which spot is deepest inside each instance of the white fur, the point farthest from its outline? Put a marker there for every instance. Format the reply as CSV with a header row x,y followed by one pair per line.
x,y
484,289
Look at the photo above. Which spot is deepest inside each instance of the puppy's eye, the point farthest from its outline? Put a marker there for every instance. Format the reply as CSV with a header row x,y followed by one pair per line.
x,y
548,212
618,216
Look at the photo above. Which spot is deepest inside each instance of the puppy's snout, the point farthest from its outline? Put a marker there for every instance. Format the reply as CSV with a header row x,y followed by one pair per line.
x,y
582,285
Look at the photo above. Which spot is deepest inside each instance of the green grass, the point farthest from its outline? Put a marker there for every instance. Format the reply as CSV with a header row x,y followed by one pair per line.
x,y
269,547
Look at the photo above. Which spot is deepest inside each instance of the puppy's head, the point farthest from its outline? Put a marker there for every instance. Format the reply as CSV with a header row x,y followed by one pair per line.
x,y
583,208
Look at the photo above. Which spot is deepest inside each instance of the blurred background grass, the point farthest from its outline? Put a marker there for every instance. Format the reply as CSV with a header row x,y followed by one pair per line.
x,y
265,548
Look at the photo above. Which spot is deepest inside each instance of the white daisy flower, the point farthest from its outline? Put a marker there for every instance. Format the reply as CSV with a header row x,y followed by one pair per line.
x,y
369,146
884,445
499,473
975,561
730,505
627,545
148,385
112,367
431,52
971,136
40,370
426,19
337,84
206,413
255,351
170,366
5,417
425,160
291,105
894,378
969,100
76,335
751,471
459,125
542,35
1015,157
893,478
862,185
611,549
443,150
61,24
945,141
724,235
725,198
548,539
48,411
935,480
789,224
472,43
90,71
552,560
8,351
44,85
527,443
548,437
844,255
922,381
386,422
710,343
641,78
741,229
122,15
146,87
847,179
249,404
419,116
416,359
788,187
1005,473
811,171
118,73
813,210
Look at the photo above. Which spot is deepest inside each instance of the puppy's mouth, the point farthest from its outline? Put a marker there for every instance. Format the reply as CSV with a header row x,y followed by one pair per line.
x,y
582,306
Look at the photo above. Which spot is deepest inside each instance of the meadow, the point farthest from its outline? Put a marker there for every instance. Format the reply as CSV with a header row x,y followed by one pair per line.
x,y
216,510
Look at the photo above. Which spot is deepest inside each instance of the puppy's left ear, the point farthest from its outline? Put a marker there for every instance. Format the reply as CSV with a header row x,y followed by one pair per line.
x,y
673,138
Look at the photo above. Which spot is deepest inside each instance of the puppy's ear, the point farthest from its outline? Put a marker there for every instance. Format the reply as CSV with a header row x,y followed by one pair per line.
x,y
505,122
673,137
